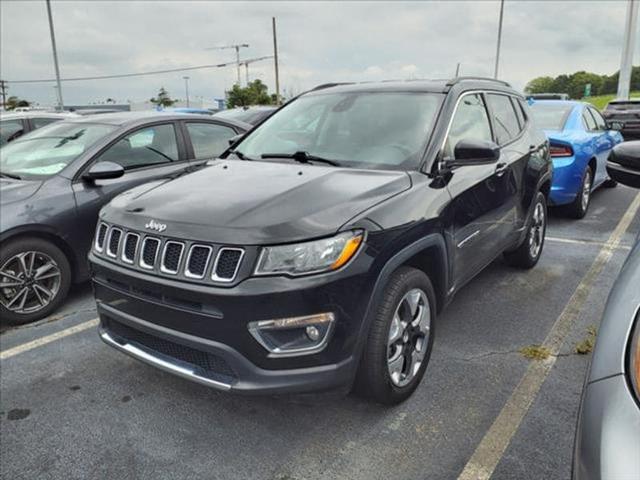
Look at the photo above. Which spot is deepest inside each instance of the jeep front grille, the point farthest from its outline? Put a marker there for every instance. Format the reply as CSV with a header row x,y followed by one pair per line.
x,y
167,256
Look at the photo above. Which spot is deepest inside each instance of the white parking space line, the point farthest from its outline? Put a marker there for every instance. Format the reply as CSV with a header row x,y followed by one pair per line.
x,y
39,342
583,242
491,448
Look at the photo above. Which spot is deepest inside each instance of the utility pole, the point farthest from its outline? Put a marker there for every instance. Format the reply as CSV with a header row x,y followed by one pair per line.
x,y
457,70
237,48
186,87
631,26
3,90
275,59
55,57
495,71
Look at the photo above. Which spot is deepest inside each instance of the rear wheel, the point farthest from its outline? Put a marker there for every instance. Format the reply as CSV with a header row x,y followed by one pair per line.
x,y
34,280
578,209
530,250
399,343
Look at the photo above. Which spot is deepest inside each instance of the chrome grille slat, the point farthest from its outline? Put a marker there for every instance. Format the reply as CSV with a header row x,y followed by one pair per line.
x,y
101,235
196,264
149,252
171,257
227,264
130,247
113,244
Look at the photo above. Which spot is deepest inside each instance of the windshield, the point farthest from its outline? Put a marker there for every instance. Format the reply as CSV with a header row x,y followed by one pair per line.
x,y
48,150
550,116
248,116
384,130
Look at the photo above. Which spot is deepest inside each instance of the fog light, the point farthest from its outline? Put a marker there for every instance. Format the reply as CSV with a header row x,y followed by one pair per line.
x,y
295,335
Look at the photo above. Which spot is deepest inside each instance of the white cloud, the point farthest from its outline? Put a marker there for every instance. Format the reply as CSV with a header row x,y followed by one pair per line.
x,y
319,42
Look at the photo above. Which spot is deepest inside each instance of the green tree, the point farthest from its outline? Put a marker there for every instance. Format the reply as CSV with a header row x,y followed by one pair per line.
x,y
163,99
256,93
579,80
540,85
14,102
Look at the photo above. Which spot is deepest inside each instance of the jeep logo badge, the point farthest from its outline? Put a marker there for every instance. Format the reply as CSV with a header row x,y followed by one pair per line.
x,y
153,225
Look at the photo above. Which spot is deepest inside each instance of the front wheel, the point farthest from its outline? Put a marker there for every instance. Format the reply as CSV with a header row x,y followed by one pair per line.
x,y
399,343
529,251
34,279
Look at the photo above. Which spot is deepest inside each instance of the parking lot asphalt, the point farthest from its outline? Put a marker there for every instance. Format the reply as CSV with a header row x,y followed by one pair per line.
x,y
74,408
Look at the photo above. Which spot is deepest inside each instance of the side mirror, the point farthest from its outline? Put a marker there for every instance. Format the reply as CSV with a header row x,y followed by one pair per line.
x,y
233,140
615,125
474,152
624,164
104,171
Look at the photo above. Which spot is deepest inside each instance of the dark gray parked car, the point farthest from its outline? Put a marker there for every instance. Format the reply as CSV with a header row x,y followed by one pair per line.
x,y
56,179
608,435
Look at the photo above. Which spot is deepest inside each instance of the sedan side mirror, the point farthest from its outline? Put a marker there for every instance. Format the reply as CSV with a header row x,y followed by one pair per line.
x,y
474,152
624,164
233,140
104,171
615,125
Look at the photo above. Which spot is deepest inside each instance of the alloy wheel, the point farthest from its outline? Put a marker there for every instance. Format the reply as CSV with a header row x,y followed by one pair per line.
x,y
536,231
408,337
586,190
29,281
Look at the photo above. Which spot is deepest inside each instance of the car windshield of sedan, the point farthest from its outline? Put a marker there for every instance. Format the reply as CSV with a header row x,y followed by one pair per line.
x,y
48,150
378,130
550,116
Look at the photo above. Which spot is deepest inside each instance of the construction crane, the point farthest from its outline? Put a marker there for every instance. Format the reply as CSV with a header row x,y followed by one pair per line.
x,y
237,49
247,62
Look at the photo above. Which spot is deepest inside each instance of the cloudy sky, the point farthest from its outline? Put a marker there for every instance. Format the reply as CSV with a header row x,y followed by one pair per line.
x,y
318,41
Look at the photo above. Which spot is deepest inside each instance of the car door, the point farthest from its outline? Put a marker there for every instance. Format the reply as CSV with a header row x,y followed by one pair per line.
x,y
206,140
146,153
603,143
482,200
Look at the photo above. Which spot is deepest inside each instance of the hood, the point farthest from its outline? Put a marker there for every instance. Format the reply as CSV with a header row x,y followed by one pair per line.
x,y
252,203
16,190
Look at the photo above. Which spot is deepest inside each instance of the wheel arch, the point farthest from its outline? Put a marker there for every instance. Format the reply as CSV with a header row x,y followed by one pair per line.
x,y
48,234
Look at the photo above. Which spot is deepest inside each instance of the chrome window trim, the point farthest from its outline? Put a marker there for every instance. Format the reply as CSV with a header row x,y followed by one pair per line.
x,y
108,244
187,273
96,245
214,277
163,269
124,245
141,261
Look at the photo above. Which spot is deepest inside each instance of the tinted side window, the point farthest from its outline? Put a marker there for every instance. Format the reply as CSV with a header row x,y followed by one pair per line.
x,y
208,139
589,122
41,122
600,123
519,112
504,118
10,130
149,146
470,122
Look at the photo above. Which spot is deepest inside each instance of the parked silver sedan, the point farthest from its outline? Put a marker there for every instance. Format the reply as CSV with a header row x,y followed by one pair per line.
x,y
608,435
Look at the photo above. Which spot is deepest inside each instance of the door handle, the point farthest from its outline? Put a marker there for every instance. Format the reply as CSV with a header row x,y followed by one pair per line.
x,y
501,168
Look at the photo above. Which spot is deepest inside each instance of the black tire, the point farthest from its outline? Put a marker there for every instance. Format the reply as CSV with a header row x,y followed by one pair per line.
x,y
524,256
578,209
58,285
609,183
374,380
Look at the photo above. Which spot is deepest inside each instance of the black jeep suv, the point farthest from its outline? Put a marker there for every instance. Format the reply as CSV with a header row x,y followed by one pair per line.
x,y
318,250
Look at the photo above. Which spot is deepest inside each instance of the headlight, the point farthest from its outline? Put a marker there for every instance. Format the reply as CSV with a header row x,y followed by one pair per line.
x,y
310,257
634,358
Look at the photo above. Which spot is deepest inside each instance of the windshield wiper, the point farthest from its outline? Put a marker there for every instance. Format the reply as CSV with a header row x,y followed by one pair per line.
x,y
240,155
10,175
301,157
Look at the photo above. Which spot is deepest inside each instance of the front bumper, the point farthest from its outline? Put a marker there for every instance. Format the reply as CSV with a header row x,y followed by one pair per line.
x,y
201,332
608,435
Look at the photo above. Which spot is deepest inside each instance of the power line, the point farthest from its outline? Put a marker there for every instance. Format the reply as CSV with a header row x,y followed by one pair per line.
x,y
127,75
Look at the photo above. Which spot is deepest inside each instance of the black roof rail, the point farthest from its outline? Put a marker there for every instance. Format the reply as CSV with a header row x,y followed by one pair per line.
x,y
329,85
455,80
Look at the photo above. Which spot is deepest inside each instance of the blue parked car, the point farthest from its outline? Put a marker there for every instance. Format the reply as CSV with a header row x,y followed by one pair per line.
x,y
580,141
